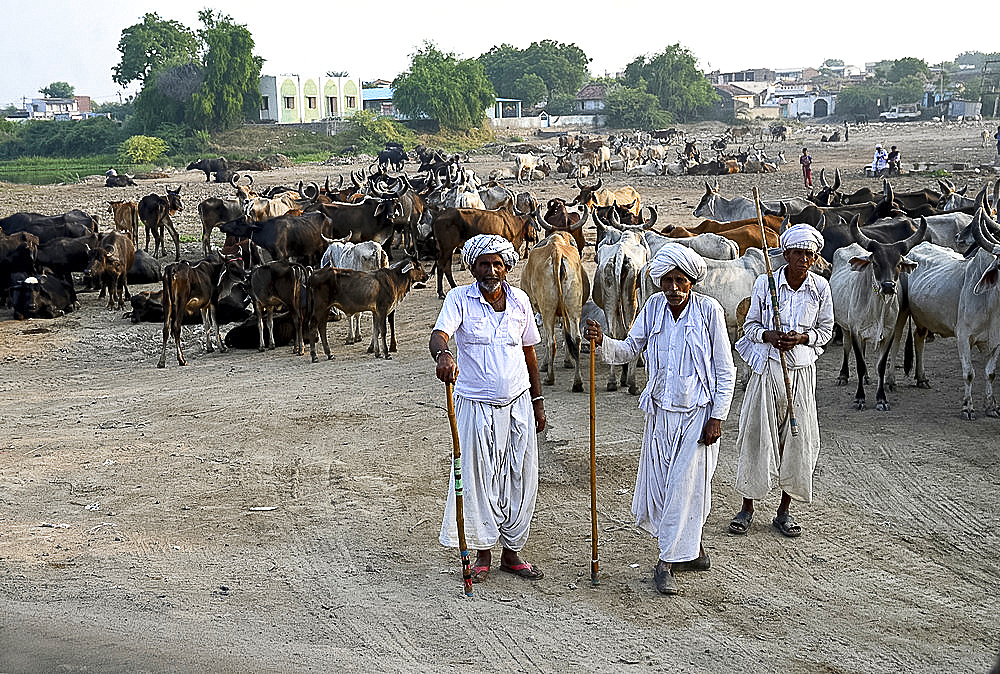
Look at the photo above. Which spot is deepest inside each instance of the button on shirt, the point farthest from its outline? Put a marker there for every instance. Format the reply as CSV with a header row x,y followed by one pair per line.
x,y
491,366
807,310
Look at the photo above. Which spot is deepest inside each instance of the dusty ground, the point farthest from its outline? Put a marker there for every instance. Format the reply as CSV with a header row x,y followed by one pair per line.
x,y
256,512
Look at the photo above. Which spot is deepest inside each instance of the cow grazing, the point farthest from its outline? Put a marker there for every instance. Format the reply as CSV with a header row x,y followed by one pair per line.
x,y
154,212
557,286
40,296
109,264
277,285
210,166
620,258
864,284
125,215
953,297
73,223
213,212
356,291
195,287
454,226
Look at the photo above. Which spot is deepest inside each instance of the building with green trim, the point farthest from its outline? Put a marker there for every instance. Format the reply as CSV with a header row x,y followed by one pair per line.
x,y
290,98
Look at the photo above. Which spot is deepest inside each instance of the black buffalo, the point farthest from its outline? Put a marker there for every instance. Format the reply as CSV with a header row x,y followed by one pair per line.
x,y
41,296
48,227
210,166
119,181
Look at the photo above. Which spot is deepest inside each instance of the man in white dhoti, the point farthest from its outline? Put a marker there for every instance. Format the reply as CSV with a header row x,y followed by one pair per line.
x,y
686,399
498,406
769,454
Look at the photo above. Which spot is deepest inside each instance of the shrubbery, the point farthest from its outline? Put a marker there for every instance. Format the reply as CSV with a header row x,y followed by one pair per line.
x,y
142,149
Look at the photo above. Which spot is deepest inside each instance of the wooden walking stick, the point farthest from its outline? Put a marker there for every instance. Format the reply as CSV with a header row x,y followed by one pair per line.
x,y
456,454
594,565
793,424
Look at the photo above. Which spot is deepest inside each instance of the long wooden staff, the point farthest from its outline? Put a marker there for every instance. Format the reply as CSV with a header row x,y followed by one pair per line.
x,y
793,424
594,565
456,454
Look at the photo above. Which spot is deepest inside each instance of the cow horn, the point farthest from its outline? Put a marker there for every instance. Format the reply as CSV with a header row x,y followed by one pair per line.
x,y
614,219
996,197
583,220
822,178
579,185
648,224
915,238
981,197
836,179
984,237
860,237
540,221
355,180
234,179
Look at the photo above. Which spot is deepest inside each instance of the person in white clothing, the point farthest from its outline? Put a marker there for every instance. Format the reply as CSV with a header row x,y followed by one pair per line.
x,y
498,406
769,455
686,399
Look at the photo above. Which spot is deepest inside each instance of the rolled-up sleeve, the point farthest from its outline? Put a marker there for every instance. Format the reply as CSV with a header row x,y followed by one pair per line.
x,y
621,351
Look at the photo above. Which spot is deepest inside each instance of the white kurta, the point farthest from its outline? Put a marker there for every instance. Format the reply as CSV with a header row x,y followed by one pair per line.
x,y
691,380
769,455
495,419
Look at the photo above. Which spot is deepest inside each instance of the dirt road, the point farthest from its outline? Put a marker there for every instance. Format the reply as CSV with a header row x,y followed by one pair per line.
x,y
256,512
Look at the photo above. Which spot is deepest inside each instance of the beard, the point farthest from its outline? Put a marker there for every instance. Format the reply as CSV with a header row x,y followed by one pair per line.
x,y
490,285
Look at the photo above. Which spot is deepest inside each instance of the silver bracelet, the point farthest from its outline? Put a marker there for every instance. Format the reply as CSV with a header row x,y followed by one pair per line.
x,y
537,398
438,354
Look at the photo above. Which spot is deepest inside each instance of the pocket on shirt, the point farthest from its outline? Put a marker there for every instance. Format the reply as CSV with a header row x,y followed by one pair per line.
x,y
515,330
686,392
480,331
807,319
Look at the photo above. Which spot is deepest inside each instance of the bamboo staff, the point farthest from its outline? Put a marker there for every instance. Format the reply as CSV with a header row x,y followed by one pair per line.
x,y
594,565
793,424
456,454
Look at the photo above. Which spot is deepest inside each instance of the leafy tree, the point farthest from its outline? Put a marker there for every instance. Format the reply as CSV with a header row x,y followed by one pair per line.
x,y
634,109
440,86
906,67
910,89
374,131
146,47
674,78
561,104
530,89
141,150
830,63
561,67
230,91
156,105
6,127
57,90
860,99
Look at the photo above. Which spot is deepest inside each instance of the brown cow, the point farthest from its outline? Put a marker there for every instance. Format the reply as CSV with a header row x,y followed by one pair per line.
x,y
454,226
273,286
560,218
126,217
745,233
354,291
597,195
110,261
557,286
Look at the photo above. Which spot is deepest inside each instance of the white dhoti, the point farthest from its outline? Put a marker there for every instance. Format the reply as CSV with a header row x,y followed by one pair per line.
x,y
673,486
499,474
769,454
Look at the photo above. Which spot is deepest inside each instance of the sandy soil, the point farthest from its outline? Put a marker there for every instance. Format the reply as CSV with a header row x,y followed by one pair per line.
x,y
256,512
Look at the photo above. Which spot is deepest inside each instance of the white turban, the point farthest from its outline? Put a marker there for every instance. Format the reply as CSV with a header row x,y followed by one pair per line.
x,y
801,236
676,256
484,244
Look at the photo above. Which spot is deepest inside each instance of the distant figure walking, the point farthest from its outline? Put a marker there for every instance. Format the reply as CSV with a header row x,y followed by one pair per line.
x,y
847,132
806,161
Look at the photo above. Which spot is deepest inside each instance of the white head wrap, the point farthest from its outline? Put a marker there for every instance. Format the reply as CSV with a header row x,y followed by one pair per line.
x,y
676,256
484,244
801,236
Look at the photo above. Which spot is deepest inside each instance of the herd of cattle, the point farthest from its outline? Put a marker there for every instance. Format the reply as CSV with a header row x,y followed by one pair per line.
x,y
295,256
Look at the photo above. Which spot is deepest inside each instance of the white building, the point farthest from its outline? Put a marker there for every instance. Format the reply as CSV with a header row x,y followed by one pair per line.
x,y
289,98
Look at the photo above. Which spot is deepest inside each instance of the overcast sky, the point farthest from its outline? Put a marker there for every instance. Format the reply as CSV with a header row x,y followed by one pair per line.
x,y
77,42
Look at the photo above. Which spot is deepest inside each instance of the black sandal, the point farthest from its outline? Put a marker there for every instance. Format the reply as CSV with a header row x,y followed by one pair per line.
x,y
741,523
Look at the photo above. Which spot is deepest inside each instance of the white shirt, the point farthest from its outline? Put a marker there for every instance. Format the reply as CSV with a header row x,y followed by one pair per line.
x,y
808,309
491,365
689,359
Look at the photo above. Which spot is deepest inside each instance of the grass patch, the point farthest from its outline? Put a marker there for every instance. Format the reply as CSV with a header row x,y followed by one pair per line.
x,y
49,170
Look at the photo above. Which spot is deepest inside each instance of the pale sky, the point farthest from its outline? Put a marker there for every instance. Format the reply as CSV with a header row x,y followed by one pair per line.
x,y
77,42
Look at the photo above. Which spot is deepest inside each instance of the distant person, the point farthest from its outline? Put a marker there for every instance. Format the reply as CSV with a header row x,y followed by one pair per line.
x,y
997,137
879,160
111,172
806,161
893,161
847,131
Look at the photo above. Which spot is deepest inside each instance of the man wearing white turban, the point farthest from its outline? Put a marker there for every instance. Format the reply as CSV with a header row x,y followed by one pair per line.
x,y
686,399
769,454
498,406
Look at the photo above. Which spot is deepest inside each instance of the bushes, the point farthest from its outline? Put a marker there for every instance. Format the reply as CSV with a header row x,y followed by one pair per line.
x,y
142,149
98,135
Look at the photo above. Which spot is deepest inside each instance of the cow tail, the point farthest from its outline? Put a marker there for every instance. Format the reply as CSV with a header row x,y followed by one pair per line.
x,y
565,286
908,349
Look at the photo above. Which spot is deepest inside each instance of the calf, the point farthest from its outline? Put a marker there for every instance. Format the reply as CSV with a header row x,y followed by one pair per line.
x,y
126,217
213,212
155,212
365,256
355,291
119,181
245,335
65,255
41,296
110,261
195,287
277,285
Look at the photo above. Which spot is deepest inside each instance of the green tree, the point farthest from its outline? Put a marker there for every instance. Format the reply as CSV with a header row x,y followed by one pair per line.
x,y
906,67
561,67
167,104
57,90
830,63
230,90
561,104
634,108
148,46
440,86
860,99
910,89
530,90
674,78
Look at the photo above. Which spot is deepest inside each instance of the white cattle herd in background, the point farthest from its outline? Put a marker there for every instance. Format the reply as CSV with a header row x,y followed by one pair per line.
x,y
902,266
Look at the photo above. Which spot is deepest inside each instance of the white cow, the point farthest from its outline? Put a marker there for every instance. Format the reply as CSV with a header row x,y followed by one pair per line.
x,y
365,256
950,296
